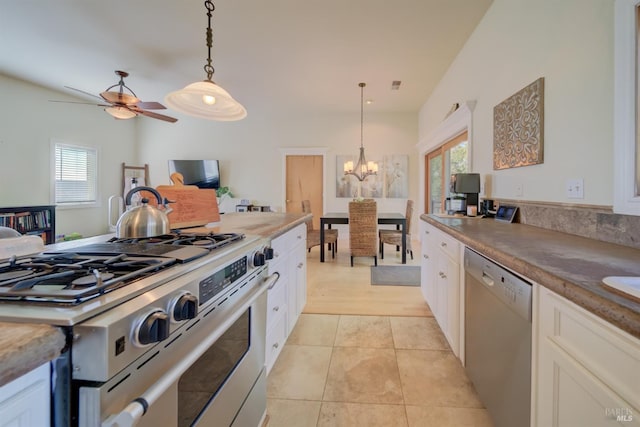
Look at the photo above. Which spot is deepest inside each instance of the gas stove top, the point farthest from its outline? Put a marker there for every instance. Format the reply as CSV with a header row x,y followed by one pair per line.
x,y
95,276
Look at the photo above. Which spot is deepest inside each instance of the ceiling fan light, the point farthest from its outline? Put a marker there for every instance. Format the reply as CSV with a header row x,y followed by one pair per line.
x,y
120,113
192,100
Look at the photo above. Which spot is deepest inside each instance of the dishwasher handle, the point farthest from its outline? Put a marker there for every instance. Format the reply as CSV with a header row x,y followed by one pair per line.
x,y
487,279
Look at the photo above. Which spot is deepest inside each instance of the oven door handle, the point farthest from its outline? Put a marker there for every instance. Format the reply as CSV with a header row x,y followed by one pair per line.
x,y
134,411
272,280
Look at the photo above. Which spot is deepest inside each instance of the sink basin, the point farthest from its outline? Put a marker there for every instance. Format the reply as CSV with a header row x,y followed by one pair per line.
x,y
627,284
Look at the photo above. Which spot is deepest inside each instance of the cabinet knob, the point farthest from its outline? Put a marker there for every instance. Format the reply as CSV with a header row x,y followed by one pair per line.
x,y
275,345
444,276
425,256
276,308
300,265
443,244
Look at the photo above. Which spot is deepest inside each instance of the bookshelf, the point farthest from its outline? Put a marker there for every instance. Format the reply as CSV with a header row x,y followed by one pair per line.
x,y
37,220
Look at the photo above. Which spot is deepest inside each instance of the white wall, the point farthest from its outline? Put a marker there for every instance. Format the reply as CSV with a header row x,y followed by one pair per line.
x,y
248,150
570,44
250,159
27,123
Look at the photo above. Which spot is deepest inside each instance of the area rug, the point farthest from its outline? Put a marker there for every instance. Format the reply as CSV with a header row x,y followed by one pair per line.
x,y
395,275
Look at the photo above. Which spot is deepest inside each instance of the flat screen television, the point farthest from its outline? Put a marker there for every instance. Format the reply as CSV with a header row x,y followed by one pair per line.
x,y
203,173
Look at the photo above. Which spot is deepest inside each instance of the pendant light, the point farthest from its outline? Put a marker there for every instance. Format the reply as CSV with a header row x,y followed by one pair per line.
x,y
205,99
363,168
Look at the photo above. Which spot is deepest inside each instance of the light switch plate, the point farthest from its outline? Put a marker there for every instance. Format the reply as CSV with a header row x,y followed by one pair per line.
x,y
575,188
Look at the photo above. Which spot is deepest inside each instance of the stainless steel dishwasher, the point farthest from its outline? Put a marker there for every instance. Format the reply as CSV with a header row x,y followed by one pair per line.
x,y
498,339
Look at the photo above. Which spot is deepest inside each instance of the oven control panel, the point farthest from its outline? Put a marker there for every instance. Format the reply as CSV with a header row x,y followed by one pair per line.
x,y
221,279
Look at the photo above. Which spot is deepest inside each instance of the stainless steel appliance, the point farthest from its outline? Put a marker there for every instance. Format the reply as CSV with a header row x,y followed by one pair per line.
x,y
162,331
469,185
498,339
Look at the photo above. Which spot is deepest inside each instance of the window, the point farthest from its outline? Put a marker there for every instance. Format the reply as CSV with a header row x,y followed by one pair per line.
x,y
627,108
76,171
446,160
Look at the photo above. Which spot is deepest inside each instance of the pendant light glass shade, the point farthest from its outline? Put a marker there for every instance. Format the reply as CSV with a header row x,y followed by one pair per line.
x,y
120,113
206,100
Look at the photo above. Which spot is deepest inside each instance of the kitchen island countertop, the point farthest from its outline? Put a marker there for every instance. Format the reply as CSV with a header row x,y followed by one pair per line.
x,y
25,346
569,265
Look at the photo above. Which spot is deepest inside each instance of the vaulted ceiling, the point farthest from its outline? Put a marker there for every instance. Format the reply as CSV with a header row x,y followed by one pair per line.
x,y
286,55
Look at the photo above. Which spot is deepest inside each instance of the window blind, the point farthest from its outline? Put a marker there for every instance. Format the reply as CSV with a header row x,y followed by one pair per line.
x,y
75,175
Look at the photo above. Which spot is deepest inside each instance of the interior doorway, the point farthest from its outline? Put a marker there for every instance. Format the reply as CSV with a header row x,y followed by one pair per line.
x,y
304,179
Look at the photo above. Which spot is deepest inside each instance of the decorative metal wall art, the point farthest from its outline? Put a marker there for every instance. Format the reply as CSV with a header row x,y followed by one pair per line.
x,y
518,128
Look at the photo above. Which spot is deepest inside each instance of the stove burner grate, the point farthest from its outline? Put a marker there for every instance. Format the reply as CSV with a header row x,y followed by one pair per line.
x,y
72,278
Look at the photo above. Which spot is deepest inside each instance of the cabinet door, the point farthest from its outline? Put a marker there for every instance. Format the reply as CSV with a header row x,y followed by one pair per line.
x,y
588,371
428,268
297,274
25,401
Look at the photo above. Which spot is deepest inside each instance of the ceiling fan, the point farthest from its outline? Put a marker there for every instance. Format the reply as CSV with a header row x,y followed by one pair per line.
x,y
122,105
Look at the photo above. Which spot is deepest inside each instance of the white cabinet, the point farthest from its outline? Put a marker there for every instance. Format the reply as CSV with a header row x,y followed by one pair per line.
x,y
287,298
440,280
25,401
588,371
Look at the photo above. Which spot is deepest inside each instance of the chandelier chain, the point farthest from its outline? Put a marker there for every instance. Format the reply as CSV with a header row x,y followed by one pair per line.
x,y
208,68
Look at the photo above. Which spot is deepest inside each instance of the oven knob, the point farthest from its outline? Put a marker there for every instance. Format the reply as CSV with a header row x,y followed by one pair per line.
x,y
185,307
153,328
268,253
258,259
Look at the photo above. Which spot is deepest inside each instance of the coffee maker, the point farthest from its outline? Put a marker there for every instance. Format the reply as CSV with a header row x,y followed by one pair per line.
x,y
486,208
467,184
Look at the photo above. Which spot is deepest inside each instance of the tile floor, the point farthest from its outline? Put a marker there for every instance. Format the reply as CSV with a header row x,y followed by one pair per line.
x,y
350,370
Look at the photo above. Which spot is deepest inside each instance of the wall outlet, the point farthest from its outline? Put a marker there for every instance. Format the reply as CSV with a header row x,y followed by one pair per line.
x,y
519,191
575,188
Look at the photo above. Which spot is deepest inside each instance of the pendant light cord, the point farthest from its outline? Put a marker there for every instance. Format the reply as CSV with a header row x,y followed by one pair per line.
x,y
362,85
208,68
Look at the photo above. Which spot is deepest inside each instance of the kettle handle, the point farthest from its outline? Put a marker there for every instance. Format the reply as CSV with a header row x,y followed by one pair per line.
x,y
112,226
149,189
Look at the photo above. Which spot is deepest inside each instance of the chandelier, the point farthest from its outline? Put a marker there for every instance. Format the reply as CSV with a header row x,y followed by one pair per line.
x,y
363,168
205,99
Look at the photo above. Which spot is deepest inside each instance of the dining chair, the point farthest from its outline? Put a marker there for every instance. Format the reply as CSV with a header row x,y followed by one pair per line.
x,y
394,237
313,235
363,226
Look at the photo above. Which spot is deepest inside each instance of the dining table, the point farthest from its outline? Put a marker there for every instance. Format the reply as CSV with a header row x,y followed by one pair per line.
x,y
384,218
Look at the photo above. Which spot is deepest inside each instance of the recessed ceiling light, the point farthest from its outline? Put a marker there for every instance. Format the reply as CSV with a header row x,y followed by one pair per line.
x,y
395,85
369,101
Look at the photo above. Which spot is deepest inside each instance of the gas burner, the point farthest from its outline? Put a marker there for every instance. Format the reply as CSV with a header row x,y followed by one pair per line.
x,y
71,278
209,241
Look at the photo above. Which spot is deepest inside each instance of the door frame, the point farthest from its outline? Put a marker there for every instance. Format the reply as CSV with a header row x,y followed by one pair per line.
x,y
458,122
300,151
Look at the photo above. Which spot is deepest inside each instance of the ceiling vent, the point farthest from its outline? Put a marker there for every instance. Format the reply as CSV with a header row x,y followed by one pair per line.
x,y
395,85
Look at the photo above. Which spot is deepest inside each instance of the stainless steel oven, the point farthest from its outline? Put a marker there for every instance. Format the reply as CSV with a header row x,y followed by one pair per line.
x,y
209,371
181,343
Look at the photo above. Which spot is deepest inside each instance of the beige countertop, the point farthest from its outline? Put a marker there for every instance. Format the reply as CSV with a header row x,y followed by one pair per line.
x,y
24,346
569,265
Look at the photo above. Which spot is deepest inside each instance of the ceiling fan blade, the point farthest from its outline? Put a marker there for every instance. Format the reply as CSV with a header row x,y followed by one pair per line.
x,y
153,115
82,91
80,102
151,105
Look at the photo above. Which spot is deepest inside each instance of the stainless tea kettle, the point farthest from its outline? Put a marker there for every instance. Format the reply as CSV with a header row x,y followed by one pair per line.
x,y
144,220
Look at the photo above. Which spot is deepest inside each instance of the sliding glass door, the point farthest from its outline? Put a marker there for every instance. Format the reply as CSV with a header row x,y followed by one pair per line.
x,y
446,160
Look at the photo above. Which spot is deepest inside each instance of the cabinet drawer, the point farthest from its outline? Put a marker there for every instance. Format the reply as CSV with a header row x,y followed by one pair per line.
x,y
276,337
610,354
449,245
276,302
